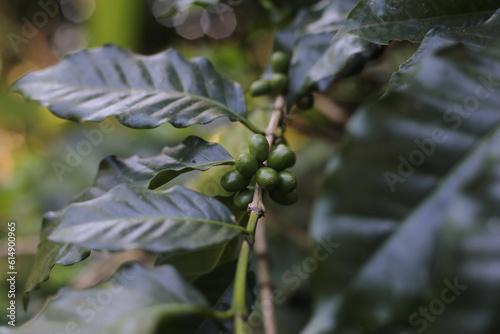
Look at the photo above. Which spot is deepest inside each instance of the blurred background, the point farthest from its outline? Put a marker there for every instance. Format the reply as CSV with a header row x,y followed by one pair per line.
x,y
237,37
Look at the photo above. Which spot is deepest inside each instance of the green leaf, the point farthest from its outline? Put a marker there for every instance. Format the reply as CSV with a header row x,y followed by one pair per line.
x,y
469,252
474,37
50,254
135,300
372,23
387,193
309,36
140,91
217,286
195,263
132,217
381,21
192,154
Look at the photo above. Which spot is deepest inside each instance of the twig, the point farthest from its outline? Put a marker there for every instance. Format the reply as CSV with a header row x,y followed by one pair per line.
x,y
263,265
265,282
257,211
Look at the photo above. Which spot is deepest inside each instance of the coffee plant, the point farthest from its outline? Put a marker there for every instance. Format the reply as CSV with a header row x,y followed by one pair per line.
x,y
410,196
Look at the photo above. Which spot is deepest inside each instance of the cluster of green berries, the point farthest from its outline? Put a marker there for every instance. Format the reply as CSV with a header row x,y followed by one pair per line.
x,y
278,82
273,177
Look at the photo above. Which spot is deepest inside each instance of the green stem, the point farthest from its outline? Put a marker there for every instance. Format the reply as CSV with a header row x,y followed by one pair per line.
x,y
239,299
223,315
252,224
239,325
257,210
252,127
188,309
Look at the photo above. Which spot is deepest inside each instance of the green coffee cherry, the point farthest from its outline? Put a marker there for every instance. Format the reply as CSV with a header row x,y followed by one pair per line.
x,y
260,87
281,158
259,147
279,62
243,198
284,198
286,182
267,178
305,102
246,164
280,146
279,83
233,181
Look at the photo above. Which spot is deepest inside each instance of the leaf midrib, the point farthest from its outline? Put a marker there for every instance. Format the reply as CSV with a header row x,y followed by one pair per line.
x,y
185,166
186,169
350,31
111,89
418,206
125,219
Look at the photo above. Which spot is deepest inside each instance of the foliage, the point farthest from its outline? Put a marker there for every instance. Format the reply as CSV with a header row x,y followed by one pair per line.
x,y
406,211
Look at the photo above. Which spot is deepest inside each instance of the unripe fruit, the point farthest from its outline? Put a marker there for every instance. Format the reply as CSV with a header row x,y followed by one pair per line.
x,y
260,87
305,102
279,62
286,182
243,198
284,198
281,158
247,165
233,181
259,147
279,83
267,178
280,146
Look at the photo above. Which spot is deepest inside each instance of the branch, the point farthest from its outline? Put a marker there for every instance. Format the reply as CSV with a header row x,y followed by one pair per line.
x,y
265,282
257,210
263,263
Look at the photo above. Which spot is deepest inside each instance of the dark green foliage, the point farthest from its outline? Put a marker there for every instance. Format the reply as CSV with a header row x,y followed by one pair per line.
x,y
160,292
143,97
119,219
413,208
408,198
